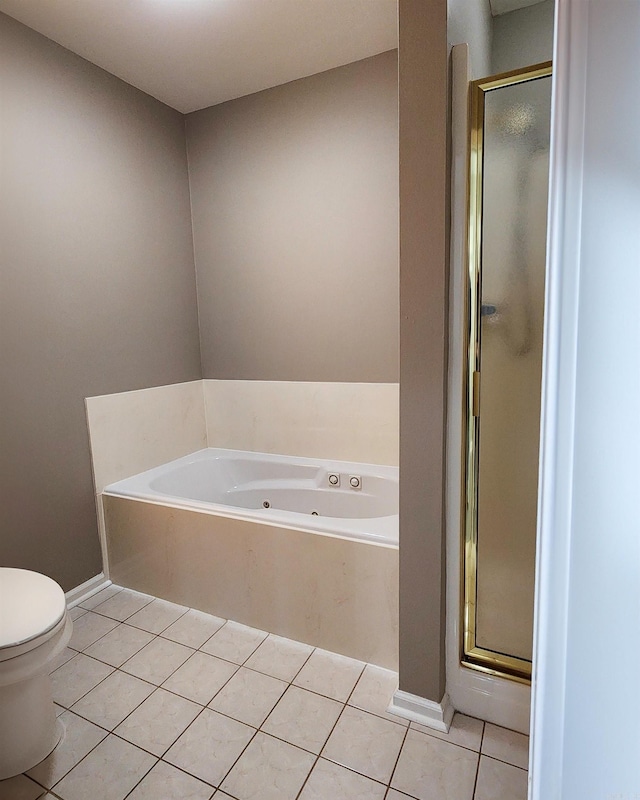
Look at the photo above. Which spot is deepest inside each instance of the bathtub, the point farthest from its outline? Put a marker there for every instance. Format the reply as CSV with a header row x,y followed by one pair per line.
x,y
269,541
278,490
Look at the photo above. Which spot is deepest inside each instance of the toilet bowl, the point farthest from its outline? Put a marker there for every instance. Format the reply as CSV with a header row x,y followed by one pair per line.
x,y
34,629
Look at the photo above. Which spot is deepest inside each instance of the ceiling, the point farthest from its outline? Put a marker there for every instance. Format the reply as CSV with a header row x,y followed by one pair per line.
x,y
192,54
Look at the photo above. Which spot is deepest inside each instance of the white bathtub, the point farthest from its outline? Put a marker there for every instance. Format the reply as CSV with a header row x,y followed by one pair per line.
x,y
195,531
279,490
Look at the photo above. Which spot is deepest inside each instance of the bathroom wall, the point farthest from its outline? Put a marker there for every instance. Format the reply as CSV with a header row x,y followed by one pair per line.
x,y
470,21
295,220
523,37
423,73
97,289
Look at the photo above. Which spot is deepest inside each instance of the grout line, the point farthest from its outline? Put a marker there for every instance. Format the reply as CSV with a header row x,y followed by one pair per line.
x,y
395,766
475,780
118,590
155,633
508,763
446,741
289,683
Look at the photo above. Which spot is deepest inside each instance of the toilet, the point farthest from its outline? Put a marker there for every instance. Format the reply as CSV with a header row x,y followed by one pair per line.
x,y
34,629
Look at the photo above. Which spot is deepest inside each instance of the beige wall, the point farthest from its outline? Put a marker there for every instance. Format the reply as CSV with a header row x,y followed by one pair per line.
x,y
98,293
97,290
295,219
423,336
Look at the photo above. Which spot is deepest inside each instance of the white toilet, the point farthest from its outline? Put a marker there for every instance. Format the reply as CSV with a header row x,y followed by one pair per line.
x,y
34,629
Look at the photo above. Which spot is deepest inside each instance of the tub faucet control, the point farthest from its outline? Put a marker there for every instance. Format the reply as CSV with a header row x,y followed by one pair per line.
x,y
334,479
355,481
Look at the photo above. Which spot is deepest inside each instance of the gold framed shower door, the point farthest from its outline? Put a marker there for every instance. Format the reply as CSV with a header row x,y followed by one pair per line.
x,y
481,656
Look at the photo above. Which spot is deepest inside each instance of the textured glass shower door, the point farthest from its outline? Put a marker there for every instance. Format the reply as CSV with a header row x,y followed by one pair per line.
x,y
509,184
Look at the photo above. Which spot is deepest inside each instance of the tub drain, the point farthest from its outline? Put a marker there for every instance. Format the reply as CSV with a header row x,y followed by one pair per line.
x,y
266,504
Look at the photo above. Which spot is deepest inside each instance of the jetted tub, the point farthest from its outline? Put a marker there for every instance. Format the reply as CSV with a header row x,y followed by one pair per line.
x,y
269,541
280,490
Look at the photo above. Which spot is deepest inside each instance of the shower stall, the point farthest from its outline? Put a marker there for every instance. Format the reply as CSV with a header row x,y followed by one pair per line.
x,y
508,184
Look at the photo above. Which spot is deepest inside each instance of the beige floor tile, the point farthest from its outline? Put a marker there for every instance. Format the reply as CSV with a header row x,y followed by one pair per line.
x,y
158,721
268,770
279,657
330,781
113,699
200,677
66,655
88,629
430,769
374,691
303,718
209,746
76,611
157,616
77,677
59,709
506,745
119,645
80,737
464,731
20,788
500,781
193,628
123,604
156,661
329,674
249,696
108,773
101,596
365,743
394,794
234,642
165,782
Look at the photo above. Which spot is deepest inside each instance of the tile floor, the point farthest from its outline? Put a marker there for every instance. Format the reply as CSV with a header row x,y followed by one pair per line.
x,y
161,702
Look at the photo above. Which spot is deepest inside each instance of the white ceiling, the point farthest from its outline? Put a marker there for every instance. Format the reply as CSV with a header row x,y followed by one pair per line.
x,y
195,53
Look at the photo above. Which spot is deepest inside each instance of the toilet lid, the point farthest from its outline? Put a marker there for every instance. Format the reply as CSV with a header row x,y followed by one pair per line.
x,y
30,605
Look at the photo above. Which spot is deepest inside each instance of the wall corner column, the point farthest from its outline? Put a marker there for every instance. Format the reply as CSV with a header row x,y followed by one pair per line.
x,y
423,343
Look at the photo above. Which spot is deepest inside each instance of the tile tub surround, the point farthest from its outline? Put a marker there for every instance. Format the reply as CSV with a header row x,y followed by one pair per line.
x,y
343,421
130,432
302,745
328,592
134,431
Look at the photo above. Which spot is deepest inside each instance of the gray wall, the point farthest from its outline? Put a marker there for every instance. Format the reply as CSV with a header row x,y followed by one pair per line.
x,y
523,37
295,219
97,290
471,21
423,342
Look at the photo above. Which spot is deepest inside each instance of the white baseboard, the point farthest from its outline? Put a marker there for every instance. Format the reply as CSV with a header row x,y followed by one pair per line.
x,y
86,589
434,715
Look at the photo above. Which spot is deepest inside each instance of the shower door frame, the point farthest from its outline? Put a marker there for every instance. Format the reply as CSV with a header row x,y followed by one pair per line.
x,y
471,655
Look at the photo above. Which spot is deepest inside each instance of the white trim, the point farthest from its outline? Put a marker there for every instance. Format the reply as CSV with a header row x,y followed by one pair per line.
x,y
501,701
418,709
86,589
557,431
